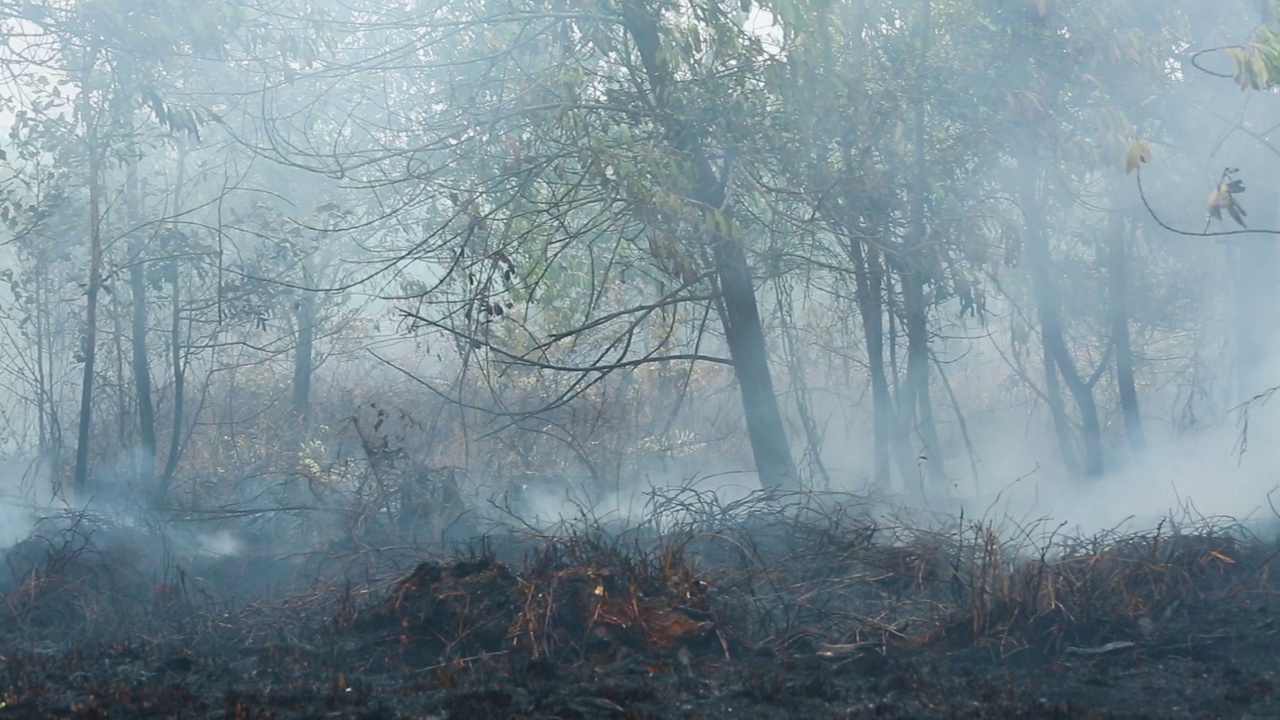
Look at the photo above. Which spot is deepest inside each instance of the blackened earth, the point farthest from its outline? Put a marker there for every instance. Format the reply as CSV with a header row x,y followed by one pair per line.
x,y
600,635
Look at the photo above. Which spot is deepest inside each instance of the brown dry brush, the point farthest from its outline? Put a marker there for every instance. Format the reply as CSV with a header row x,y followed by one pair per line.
x,y
583,596
1077,593
702,577
69,585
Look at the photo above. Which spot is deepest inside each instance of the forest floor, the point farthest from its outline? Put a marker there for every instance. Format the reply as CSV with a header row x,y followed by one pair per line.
x,y
816,614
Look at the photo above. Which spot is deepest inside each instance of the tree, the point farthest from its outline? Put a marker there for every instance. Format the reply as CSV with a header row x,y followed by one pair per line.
x,y
618,136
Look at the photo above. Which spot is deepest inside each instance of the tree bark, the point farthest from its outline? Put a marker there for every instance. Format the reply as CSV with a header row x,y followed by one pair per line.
x,y
869,293
179,383
89,339
799,384
1118,320
141,360
303,356
918,402
1058,362
745,337
740,314
177,367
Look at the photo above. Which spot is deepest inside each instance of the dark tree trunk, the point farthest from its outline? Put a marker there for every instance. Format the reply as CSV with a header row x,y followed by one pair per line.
x,y
1049,313
799,385
141,359
743,330
177,367
126,436
918,401
1058,412
1118,320
904,452
303,356
869,292
46,415
89,339
745,337
179,383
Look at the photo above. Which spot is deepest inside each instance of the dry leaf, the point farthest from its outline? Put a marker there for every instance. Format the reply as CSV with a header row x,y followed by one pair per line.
x,y
1219,200
1222,198
1139,152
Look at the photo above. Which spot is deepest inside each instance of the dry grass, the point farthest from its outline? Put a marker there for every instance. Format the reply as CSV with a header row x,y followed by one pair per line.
x,y
765,573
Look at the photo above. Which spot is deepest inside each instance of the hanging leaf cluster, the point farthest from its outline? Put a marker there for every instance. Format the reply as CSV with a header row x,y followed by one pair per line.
x,y
1224,195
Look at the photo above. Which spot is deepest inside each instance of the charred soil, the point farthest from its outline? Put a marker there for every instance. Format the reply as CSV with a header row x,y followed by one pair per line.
x,y
827,617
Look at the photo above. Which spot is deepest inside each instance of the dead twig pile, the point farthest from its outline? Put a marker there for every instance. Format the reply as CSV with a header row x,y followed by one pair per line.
x,y
579,597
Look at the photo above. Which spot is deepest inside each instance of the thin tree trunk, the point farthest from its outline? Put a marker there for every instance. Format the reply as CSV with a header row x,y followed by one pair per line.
x,y
919,403
961,423
303,356
869,292
55,446
179,382
1058,362
1118,320
1058,412
177,366
80,479
44,394
125,438
907,458
141,359
804,405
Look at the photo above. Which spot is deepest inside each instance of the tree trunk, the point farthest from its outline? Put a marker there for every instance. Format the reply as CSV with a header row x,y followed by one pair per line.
x,y
126,437
177,367
918,400
904,409
89,339
869,292
799,384
745,337
146,454
1058,412
1049,312
740,315
179,384
303,356
1118,322
44,351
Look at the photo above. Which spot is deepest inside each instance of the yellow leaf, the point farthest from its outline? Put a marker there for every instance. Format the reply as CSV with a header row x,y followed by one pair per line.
x,y
1219,200
1223,199
1259,71
1139,152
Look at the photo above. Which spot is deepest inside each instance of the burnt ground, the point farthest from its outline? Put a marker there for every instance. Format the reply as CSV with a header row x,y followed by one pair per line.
x,y
818,615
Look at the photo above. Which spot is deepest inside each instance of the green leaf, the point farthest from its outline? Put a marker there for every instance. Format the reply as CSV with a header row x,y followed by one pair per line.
x,y
790,13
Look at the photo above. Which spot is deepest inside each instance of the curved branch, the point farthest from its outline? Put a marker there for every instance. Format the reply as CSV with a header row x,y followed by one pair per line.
x,y
1188,233
600,368
1195,60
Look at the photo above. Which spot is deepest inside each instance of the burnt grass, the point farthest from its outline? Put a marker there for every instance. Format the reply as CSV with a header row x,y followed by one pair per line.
x,y
745,611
